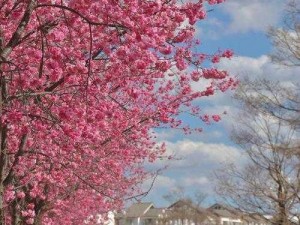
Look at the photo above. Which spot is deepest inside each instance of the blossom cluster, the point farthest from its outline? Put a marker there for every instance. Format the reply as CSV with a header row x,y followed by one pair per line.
x,y
83,83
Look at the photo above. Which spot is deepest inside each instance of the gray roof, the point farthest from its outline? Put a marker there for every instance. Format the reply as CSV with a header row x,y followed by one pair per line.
x,y
200,212
138,210
224,213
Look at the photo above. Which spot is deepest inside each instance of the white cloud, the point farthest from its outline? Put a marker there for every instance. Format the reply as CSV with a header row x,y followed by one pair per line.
x,y
198,181
193,154
252,15
262,67
242,16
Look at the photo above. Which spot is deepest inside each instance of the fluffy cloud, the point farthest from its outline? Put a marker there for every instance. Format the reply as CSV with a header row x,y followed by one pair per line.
x,y
197,155
195,181
262,67
252,15
242,17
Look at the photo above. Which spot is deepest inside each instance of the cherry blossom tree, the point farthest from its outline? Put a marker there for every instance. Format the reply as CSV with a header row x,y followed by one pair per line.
x,y
82,84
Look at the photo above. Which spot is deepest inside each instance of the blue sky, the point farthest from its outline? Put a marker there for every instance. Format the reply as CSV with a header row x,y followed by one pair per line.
x,y
240,25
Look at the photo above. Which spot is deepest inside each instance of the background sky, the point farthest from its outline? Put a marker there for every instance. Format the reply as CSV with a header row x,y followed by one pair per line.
x,y
240,25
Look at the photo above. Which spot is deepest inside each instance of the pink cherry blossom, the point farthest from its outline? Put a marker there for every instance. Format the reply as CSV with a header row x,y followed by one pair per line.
x,y
216,118
83,84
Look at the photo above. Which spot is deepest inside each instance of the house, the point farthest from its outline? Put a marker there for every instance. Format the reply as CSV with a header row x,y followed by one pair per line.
x,y
231,216
226,215
140,214
184,212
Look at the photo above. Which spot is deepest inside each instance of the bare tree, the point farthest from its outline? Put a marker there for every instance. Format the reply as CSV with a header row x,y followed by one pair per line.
x,y
286,40
268,131
179,193
184,209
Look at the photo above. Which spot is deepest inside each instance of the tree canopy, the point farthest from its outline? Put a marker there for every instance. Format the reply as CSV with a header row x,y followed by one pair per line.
x,y
82,83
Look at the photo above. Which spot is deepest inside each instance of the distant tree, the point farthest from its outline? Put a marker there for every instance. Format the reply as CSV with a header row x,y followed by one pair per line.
x,y
179,193
286,40
185,209
268,132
